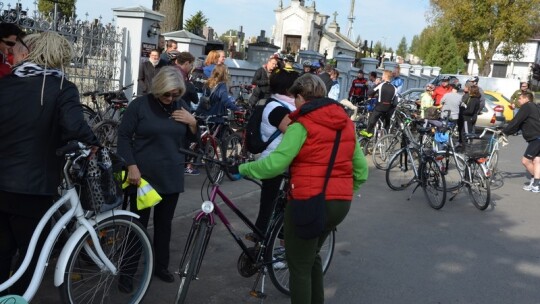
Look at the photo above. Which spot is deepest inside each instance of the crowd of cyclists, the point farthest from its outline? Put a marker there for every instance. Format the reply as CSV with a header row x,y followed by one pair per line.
x,y
175,90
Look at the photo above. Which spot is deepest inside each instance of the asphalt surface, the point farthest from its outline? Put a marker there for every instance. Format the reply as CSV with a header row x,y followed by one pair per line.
x,y
388,249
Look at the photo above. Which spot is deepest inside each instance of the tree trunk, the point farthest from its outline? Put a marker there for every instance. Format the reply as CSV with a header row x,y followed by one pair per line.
x,y
173,11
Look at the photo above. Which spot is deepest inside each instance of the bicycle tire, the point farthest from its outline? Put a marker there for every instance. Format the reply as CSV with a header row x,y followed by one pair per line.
x,y
194,251
107,133
433,184
453,171
213,170
479,187
126,243
232,151
280,275
400,172
493,162
90,116
383,149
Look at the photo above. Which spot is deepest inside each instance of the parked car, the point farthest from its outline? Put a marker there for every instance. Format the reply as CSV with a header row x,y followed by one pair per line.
x,y
412,95
500,100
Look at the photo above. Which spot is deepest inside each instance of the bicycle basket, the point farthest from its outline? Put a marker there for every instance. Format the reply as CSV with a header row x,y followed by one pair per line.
x,y
101,186
477,148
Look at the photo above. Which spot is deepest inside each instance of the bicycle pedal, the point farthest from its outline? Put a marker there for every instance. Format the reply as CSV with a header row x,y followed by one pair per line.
x,y
257,294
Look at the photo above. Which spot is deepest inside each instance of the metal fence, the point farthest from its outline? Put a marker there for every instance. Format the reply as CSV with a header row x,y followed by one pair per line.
x,y
98,48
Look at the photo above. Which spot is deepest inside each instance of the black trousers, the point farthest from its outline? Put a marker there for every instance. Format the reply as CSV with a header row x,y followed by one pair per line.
x,y
374,117
269,192
19,217
163,215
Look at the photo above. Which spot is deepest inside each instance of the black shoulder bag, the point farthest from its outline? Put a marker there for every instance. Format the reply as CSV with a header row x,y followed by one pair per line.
x,y
309,216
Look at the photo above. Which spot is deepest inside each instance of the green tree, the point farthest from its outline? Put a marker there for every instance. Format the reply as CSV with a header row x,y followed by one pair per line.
x,y
173,11
65,7
377,48
489,25
443,51
402,47
196,23
414,44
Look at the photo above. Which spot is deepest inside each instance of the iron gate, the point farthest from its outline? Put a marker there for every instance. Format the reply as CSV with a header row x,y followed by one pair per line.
x,y
98,48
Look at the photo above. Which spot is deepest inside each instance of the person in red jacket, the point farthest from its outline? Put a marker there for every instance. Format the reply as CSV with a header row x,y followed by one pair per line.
x,y
357,93
439,91
305,150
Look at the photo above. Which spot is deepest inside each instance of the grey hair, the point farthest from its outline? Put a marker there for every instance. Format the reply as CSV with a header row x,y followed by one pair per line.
x,y
167,79
309,86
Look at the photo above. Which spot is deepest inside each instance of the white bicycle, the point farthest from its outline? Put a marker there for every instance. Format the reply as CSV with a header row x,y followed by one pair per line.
x,y
108,257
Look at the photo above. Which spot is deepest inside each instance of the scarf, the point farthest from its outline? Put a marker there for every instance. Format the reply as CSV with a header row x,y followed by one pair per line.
x,y
29,69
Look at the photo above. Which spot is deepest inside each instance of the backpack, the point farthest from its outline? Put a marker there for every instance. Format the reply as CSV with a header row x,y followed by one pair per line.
x,y
254,142
205,101
432,113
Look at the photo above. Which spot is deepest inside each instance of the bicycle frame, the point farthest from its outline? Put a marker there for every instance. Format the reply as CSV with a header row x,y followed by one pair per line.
x,y
71,200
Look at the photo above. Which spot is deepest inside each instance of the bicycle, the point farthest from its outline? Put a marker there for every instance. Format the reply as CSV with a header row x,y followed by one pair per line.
x,y
105,249
496,140
267,256
415,163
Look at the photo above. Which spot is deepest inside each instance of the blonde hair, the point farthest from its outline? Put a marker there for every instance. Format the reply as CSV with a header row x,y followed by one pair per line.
x,y
50,50
309,86
167,79
219,74
387,75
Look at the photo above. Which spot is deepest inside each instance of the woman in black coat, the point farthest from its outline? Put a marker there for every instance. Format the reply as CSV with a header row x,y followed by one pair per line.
x,y
40,111
470,113
153,128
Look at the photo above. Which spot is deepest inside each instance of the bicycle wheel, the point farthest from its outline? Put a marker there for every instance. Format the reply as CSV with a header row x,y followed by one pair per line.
x,y
125,242
212,149
401,169
433,184
193,254
232,151
452,170
479,187
493,162
90,116
107,133
384,148
275,254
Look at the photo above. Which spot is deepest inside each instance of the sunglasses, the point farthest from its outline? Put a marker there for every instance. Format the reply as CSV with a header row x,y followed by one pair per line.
x,y
168,94
9,43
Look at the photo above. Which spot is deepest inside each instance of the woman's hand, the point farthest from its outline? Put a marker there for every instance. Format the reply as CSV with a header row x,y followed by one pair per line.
x,y
183,116
134,175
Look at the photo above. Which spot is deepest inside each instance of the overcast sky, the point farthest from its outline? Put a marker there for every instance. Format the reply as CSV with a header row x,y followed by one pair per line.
x,y
383,20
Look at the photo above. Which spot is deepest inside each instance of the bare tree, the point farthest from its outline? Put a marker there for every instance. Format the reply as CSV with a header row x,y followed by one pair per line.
x,y
174,14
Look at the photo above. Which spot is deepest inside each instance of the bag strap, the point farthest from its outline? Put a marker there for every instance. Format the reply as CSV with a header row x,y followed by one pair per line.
x,y
277,132
332,159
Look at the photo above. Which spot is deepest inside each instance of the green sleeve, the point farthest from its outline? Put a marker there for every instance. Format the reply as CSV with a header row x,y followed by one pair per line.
x,y
360,167
280,159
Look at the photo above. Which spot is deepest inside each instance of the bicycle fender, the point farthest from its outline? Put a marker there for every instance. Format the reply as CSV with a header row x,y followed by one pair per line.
x,y
73,240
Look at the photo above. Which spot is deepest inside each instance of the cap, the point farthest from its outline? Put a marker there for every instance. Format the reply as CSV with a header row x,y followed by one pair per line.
x,y
455,86
173,54
445,78
306,63
473,79
430,87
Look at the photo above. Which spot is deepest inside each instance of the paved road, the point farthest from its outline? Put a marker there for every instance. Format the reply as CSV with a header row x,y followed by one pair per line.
x,y
390,250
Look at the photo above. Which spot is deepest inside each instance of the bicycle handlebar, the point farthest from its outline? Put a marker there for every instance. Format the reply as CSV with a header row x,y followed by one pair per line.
x,y
495,130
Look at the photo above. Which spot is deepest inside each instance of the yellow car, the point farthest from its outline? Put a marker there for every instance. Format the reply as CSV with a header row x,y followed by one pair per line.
x,y
499,99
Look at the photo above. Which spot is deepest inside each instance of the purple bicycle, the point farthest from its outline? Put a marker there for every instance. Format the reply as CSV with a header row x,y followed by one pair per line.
x,y
267,256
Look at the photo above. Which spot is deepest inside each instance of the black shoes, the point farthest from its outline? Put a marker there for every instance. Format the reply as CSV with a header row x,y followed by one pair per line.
x,y
164,275
125,283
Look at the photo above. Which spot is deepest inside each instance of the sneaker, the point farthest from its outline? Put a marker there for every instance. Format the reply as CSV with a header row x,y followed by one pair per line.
x,y
191,171
365,133
279,265
535,188
529,186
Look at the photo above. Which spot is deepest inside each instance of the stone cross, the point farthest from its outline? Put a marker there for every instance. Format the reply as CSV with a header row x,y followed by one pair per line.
x,y
335,16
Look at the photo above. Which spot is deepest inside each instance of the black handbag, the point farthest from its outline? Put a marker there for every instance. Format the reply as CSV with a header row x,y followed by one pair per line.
x,y
309,215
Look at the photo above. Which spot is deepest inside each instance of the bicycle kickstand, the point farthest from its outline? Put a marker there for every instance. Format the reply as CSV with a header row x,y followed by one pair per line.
x,y
259,294
417,185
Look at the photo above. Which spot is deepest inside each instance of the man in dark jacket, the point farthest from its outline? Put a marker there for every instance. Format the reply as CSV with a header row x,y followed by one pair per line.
x,y
386,93
325,76
147,71
528,121
260,80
